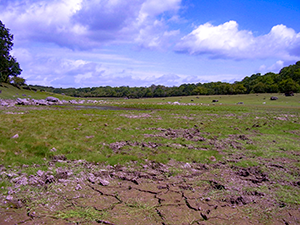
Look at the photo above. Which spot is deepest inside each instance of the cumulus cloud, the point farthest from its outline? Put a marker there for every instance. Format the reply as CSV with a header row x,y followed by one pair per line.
x,y
227,41
83,24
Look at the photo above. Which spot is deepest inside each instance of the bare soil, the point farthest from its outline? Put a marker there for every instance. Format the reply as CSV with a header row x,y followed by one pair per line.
x,y
153,193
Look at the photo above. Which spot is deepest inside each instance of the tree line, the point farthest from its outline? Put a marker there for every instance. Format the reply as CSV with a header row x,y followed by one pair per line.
x,y
287,80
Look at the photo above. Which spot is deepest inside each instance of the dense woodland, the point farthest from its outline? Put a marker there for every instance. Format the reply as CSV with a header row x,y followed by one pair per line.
x,y
287,80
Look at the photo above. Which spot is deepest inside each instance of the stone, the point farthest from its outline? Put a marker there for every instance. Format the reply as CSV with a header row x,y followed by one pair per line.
x,y
9,198
52,99
15,136
273,98
22,101
103,182
53,149
40,173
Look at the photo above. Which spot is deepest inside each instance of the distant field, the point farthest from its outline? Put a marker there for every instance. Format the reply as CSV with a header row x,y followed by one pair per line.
x,y
210,163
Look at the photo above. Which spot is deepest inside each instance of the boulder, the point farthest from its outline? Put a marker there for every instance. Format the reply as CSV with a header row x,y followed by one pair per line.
x,y
40,102
215,100
273,98
22,101
289,93
73,101
52,99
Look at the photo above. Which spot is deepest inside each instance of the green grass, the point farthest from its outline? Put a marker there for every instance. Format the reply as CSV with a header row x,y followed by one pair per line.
x,y
11,92
88,133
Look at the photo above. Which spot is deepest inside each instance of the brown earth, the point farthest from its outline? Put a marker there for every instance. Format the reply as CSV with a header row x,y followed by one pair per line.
x,y
153,193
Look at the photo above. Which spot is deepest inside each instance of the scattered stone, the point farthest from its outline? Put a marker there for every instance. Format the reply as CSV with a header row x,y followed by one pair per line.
x,y
215,100
21,101
103,182
273,98
49,179
78,187
52,99
91,178
15,136
53,149
240,103
212,158
40,173
289,93
187,166
59,157
9,198
89,137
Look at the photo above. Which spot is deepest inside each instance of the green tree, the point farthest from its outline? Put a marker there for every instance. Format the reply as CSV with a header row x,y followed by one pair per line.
x,y
9,67
289,85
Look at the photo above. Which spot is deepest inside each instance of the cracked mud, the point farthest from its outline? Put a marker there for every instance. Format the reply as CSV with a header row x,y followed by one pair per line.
x,y
136,194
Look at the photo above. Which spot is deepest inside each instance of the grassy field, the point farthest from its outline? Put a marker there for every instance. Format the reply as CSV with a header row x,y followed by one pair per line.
x,y
11,92
243,158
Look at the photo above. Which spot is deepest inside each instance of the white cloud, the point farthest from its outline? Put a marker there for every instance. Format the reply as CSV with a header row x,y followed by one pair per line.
x,y
227,41
82,24
152,8
276,67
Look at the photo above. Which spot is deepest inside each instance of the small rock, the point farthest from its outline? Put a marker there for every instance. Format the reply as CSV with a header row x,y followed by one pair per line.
x,y
53,149
50,179
92,178
88,137
103,182
9,198
15,136
78,187
187,165
212,158
40,173
52,99
207,199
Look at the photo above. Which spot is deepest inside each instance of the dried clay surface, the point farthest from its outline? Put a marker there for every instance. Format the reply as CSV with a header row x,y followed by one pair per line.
x,y
78,192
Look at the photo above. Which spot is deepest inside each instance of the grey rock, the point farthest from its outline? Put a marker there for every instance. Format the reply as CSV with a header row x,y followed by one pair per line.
x,y
40,173
103,182
9,198
40,102
22,101
52,99
49,179
73,102
15,136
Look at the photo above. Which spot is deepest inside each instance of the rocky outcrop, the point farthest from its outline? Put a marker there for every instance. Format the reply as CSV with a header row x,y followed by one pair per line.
x,y
52,99
44,102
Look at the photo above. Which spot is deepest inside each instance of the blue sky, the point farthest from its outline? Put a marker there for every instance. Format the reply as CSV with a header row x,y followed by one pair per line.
x,y
91,43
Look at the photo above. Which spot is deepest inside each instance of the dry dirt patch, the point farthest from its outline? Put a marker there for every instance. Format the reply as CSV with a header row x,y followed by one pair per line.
x,y
85,193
